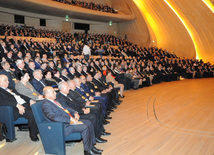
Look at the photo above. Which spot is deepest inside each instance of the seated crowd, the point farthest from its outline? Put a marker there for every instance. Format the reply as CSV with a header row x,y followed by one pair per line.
x,y
89,5
75,89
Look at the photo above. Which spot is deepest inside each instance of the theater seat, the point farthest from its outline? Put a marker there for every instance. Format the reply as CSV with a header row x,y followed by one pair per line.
x,y
6,116
52,133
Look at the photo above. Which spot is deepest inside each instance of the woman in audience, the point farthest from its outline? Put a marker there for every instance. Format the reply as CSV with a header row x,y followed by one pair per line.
x,y
56,76
25,88
49,80
109,78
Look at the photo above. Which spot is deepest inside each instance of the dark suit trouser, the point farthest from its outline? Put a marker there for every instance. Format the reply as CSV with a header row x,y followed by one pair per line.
x,y
31,121
87,133
97,111
93,119
104,103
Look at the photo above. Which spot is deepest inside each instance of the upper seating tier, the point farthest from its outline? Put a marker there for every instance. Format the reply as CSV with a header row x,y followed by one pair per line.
x,y
49,7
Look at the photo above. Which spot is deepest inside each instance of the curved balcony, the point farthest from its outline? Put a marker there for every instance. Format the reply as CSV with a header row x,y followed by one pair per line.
x,y
50,7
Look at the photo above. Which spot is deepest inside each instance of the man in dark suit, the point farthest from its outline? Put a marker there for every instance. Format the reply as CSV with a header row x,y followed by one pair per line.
x,y
80,90
79,71
96,95
20,66
77,97
105,88
56,112
63,98
31,69
71,75
21,105
64,75
6,71
37,81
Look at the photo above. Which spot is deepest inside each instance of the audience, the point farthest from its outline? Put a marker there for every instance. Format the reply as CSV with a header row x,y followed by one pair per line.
x,y
89,88
89,5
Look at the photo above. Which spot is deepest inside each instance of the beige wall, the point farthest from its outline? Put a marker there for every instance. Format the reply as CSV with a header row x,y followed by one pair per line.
x,y
136,30
157,22
55,23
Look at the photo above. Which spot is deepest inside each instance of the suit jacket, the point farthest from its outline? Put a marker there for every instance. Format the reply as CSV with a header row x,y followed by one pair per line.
x,y
17,73
27,91
37,65
91,85
52,113
64,100
10,78
77,97
77,74
87,89
37,85
30,72
71,76
99,84
82,92
64,78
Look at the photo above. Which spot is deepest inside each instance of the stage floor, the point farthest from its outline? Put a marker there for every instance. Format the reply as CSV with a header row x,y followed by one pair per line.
x,y
174,118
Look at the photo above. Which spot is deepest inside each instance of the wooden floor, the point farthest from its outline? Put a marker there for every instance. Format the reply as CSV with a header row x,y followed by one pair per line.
x,y
174,118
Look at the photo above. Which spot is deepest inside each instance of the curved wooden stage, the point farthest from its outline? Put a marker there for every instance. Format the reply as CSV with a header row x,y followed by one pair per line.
x,y
173,118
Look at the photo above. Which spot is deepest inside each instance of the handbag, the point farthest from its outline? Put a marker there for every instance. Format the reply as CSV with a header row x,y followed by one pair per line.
x,y
3,131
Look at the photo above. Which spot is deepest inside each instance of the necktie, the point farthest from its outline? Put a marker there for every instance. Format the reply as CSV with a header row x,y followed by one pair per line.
x,y
65,110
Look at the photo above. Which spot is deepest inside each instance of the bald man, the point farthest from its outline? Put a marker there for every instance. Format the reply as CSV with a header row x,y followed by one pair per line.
x,y
56,112
21,105
84,113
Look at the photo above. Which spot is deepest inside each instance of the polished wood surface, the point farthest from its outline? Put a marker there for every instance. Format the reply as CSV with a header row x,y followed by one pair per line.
x,y
174,118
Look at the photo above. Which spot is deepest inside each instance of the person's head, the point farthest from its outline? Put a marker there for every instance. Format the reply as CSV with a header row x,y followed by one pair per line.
x,y
66,55
49,93
28,55
44,65
31,65
19,54
4,81
51,64
47,74
79,68
37,58
10,54
37,74
77,82
64,72
26,59
89,77
84,68
5,65
104,68
56,73
23,76
99,74
20,63
71,84
96,75
64,87
72,70
83,79
44,56
66,64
